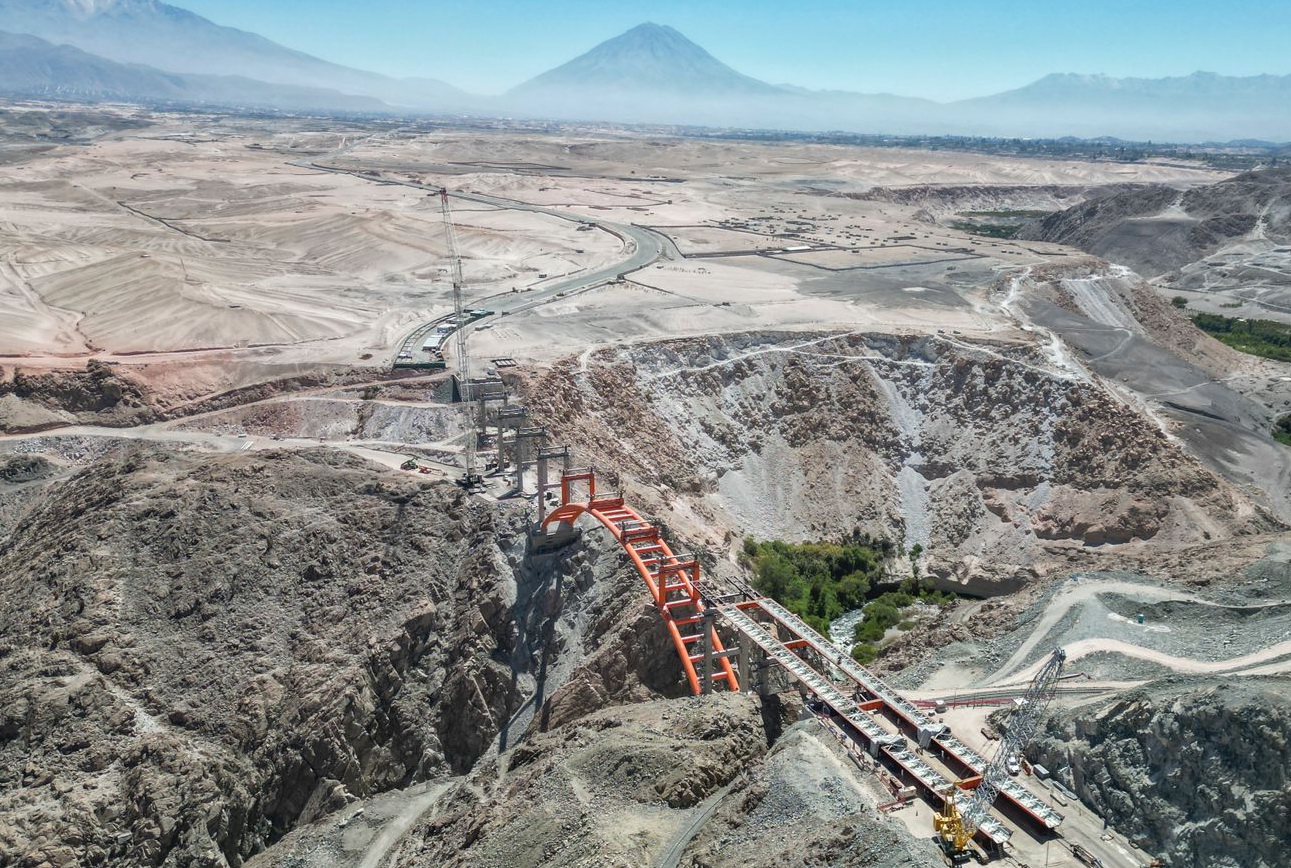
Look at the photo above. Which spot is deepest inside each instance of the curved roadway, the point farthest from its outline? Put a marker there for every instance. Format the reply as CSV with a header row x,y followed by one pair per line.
x,y
647,245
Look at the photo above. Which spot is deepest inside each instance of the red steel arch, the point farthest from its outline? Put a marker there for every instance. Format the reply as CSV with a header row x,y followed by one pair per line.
x,y
673,580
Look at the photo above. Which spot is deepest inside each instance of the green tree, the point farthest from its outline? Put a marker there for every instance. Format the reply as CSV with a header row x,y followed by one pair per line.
x,y
775,575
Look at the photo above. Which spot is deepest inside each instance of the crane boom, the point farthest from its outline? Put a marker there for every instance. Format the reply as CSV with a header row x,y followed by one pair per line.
x,y
1022,726
960,820
459,313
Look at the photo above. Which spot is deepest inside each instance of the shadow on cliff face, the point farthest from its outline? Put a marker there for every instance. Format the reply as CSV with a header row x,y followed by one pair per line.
x,y
623,654
201,653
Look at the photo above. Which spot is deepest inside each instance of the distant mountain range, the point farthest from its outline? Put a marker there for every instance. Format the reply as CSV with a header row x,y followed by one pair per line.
x,y
168,38
149,50
30,66
1198,107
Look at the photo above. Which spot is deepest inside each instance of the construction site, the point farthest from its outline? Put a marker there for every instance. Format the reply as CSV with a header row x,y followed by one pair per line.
x,y
730,637
411,533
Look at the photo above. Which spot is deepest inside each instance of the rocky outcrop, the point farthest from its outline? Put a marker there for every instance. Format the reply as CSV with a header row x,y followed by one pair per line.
x,y
804,804
200,653
1198,773
26,468
98,393
686,782
1158,229
610,789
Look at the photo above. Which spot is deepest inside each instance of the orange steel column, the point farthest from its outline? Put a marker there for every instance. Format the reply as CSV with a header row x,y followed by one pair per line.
x,y
673,582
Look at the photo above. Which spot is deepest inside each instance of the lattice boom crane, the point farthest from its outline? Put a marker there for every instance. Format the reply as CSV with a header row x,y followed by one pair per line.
x,y
958,821
459,334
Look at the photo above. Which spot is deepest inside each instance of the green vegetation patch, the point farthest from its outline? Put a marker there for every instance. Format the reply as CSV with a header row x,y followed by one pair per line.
x,y
817,581
1259,337
1019,213
884,612
820,581
987,230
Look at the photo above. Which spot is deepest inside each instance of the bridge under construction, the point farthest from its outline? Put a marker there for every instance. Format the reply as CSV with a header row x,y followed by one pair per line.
x,y
730,637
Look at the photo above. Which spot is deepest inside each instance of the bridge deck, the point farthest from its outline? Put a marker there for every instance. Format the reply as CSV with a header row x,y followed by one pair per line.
x,y
674,583
904,710
877,739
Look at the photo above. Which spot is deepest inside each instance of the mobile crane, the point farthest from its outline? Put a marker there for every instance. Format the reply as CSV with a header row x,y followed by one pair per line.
x,y
962,813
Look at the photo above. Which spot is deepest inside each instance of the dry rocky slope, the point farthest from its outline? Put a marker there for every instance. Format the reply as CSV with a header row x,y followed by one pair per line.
x,y
1195,770
1157,229
207,657
1226,247
985,454
942,201
116,396
694,782
1219,403
98,393
200,653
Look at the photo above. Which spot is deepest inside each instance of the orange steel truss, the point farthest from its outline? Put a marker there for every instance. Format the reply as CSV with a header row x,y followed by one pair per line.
x,y
673,580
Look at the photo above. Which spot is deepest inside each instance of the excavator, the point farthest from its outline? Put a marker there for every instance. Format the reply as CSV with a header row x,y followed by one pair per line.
x,y
963,810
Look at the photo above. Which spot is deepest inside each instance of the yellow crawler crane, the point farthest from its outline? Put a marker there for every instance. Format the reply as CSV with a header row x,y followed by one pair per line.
x,y
957,823
953,833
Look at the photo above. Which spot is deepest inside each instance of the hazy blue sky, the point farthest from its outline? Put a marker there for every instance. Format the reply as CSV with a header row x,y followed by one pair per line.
x,y
942,49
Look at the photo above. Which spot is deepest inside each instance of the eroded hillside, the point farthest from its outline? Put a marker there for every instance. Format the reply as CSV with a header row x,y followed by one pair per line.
x,y
1223,245
982,453
1199,771
201,653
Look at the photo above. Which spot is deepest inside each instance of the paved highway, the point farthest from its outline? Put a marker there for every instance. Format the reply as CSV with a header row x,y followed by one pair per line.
x,y
644,246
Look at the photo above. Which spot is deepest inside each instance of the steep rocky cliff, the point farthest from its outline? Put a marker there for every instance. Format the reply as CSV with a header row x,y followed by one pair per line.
x,y
200,653
1199,772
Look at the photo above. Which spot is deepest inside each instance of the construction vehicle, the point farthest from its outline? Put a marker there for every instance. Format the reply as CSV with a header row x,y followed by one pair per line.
x,y
470,478
964,810
954,833
416,466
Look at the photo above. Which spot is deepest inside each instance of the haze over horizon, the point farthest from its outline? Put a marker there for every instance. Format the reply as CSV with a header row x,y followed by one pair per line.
x,y
649,72
932,49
